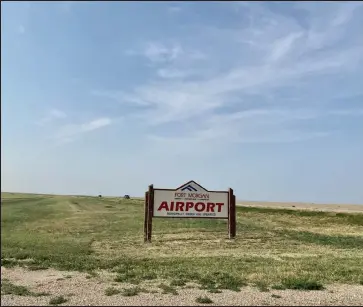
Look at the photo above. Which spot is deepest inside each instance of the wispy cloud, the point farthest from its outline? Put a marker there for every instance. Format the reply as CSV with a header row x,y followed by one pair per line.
x,y
166,53
71,132
175,101
283,46
173,73
174,9
346,12
157,52
52,115
230,97
251,126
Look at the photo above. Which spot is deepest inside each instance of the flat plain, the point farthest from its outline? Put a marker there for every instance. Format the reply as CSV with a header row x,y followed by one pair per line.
x,y
89,250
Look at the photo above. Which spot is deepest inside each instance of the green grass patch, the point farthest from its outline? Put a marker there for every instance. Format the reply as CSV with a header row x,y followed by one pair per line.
x,y
58,300
343,242
262,286
131,291
148,276
276,296
222,280
300,284
203,300
278,287
112,291
9,263
37,267
92,274
78,233
341,218
129,277
177,282
214,290
41,294
10,288
168,289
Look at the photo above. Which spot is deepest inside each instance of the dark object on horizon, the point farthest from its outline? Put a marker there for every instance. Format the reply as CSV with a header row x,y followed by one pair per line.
x,y
127,197
99,196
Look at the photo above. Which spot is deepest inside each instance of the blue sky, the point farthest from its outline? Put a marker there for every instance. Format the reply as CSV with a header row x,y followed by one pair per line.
x,y
109,97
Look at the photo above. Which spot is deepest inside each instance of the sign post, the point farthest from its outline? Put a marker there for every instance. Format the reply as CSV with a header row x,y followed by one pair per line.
x,y
190,200
232,214
149,213
146,216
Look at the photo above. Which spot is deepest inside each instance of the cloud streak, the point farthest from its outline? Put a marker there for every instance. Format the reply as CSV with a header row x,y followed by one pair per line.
x,y
174,9
157,52
166,53
71,132
252,96
283,46
52,116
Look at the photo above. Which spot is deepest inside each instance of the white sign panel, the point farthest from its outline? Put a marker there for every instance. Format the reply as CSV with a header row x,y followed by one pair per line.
x,y
190,200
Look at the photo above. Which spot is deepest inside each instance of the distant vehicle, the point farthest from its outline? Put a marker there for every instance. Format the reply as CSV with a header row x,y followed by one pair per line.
x,y
99,196
127,197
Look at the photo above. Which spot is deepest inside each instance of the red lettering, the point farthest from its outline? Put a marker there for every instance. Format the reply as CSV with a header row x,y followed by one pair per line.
x,y
179,206
201,205
171,206
219,205
210,207
189,205
164,205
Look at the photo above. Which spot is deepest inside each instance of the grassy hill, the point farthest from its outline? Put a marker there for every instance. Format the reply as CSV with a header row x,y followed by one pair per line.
x,y
274,247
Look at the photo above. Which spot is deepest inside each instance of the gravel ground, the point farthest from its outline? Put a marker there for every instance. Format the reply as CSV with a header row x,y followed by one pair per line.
x,y
88,292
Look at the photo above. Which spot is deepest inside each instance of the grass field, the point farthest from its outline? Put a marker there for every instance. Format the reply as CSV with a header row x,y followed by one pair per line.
x,y
277,248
